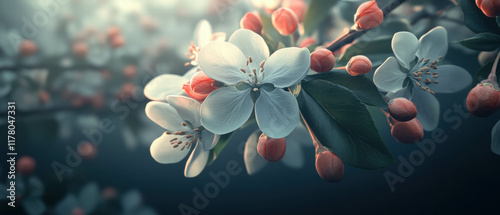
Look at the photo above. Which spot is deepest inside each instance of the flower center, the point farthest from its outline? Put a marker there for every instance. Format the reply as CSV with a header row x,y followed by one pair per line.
x,y
423,76
254,73
186,139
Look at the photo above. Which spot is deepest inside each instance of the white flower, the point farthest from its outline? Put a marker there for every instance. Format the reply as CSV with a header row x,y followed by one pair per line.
x,y
293,158
254,79
167,84
416,61
181,118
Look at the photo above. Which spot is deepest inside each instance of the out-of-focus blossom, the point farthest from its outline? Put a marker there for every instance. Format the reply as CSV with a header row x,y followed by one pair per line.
x,y
85,201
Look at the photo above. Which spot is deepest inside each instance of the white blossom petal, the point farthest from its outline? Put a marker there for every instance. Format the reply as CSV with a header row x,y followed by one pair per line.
x,y
226,109
197,161
253,161
389,77
163,151
433,44
277,113
405,45
222,61
163,85
187,108
286,67
251,44
164,115
209,139
451,79
427,107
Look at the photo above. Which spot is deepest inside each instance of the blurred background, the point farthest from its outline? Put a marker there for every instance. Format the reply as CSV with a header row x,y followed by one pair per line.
x,y
73,65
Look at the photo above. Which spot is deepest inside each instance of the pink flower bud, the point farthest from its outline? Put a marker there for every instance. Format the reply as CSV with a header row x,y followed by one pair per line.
x,y
130,71
402,109
309,41
359,65
322,60
299,7
483,100
271,149
329,166
189,91
407,132
28,48
202,84
80,49
285,21
87,150
490,8
251,21
25,165
368,15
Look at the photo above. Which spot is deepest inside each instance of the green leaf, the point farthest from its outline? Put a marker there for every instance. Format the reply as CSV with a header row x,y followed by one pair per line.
x,y
484,72
342,123
367,48
318,10
223,141
475,19
482,42
272,37
361,86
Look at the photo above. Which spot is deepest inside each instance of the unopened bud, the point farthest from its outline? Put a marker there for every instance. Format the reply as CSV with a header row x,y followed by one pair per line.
x,y
251,21
407,132
490,8
329,166
322,60
359,65
483,100
285,21
368,15
202,84
271,149
402,109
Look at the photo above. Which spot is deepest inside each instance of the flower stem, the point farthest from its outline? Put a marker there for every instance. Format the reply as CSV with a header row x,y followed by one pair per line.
x,y
493,75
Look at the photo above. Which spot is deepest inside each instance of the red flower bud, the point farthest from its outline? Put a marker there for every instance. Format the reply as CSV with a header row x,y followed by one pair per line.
x,y
368,15
25,165
299,7
117,41
189,91
202,84
483,100
251,21
408,132
80,49
490,8
309,41
271,149
329,166
87,150
28,48
359,65
402,109
285,21
322,60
